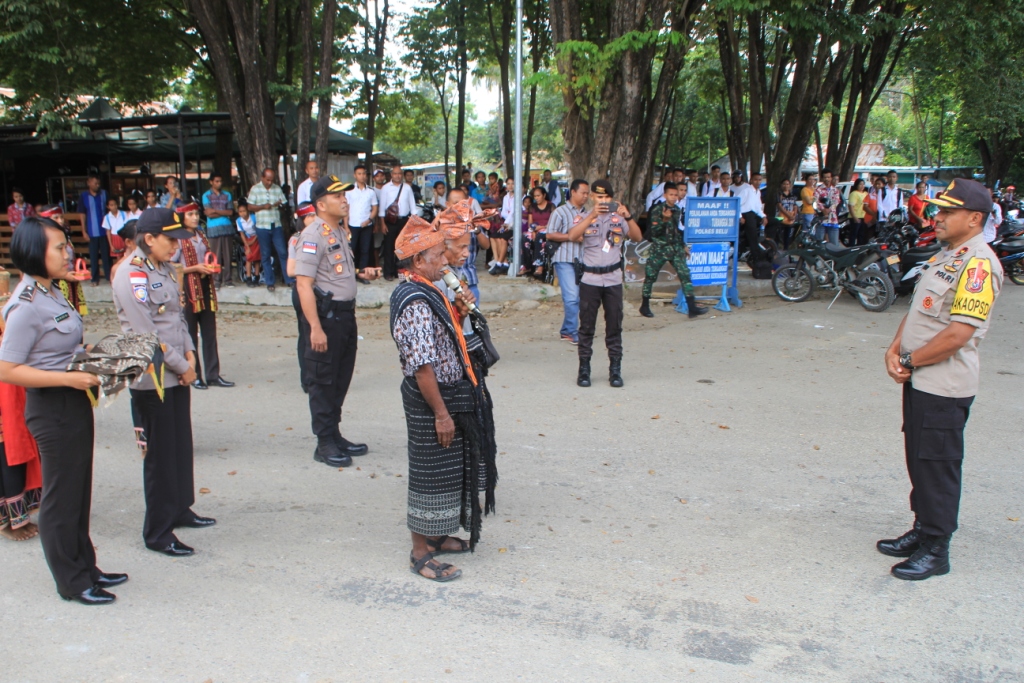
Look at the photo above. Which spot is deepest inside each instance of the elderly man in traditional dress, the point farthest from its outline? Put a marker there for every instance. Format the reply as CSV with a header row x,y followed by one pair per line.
x,y
451,451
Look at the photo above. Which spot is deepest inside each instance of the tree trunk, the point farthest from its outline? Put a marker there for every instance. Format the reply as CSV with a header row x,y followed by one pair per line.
x,y
997,155
577,122
305,105
462,73
732,69
501,38
325,83
238,73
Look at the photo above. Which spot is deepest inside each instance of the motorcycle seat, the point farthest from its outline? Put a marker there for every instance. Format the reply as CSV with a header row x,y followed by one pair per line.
x,y
838,250
922,253
1011,247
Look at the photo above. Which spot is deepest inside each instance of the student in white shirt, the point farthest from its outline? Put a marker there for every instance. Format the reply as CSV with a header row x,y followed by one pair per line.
x,y
890,198
713,183
113,221
362,215
312,175
133,212
992,223
247,228
397,194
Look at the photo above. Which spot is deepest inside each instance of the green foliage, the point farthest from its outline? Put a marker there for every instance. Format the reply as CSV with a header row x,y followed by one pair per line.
x,y
52,51
405,120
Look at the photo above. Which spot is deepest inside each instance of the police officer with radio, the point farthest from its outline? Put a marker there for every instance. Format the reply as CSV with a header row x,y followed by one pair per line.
x,y
326,283
603,232
935,357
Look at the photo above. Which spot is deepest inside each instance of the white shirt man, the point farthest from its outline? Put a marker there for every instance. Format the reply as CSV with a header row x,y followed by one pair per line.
x,y
312,175
401,191
654,195
750,199
889,199
709,187
992,223
361,202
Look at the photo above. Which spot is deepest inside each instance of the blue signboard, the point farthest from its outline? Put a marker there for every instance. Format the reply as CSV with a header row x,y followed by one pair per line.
x,y
712,219
713,233
709,263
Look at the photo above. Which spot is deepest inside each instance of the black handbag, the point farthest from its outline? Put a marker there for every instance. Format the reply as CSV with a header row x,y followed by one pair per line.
x,y
479,324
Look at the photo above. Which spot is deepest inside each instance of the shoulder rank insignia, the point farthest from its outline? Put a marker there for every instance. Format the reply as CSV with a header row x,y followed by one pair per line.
x,y
138,261
27,293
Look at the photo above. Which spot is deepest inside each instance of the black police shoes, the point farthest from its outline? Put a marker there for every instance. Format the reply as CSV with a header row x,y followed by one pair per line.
x,y
328,453
615,372
175,549
348,448
904,546
196,522
221,382
199,384
110,580
930,559
583,378
93,596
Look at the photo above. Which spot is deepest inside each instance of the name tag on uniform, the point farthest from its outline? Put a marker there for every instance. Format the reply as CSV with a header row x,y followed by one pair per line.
x,y
157,285
309,247
335,247
61,318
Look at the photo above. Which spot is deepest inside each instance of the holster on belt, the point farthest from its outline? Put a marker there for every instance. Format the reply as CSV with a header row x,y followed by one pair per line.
x,y
577,267
323,302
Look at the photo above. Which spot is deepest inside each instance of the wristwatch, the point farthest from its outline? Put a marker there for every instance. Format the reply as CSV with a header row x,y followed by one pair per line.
x,y
905,361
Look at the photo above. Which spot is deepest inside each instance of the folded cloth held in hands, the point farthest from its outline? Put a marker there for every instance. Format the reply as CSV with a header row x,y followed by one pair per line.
x,y
120,359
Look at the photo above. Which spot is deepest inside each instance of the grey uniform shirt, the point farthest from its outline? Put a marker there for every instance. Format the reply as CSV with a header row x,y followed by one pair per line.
x,y
563,219
603,242
147,299
200,247
957,285
43,329
323,254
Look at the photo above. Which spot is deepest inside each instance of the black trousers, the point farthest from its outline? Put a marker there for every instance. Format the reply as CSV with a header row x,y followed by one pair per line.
x,y
752,233
388,247
329,374
99,250
303,327
362,243
592,298
933,432
167,472
61,422
204,323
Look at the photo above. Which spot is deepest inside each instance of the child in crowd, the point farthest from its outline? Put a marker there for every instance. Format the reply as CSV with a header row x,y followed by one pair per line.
x,y
134,211
247,229
112,223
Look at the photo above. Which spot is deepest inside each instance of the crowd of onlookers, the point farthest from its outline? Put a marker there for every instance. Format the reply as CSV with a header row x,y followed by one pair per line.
x,y
254,230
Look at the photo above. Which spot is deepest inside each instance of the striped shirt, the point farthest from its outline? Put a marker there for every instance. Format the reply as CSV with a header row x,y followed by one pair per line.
x,y
562,220
259,194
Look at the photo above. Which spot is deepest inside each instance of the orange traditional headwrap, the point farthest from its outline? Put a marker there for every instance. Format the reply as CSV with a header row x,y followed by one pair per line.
x,y
417,235
458,217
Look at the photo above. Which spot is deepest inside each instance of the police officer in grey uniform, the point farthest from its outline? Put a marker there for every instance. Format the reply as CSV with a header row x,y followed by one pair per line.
x,y
147,299
935,357
326,283
43,332
603,232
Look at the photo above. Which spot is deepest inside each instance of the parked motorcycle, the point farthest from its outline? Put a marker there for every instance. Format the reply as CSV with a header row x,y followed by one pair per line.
x,y
1011,255
862,271
901,239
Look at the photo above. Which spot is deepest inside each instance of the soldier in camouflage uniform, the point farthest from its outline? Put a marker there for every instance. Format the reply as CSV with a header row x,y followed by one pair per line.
x,y
667,245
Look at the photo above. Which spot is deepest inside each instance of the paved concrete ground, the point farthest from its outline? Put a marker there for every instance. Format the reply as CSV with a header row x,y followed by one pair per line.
x,y
714,520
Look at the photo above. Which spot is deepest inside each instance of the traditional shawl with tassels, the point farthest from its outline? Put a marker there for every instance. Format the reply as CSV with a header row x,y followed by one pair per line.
x,y
75,295
120,359
470,408
193,286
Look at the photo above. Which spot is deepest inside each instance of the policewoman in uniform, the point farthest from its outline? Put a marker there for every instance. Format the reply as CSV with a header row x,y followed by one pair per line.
x,y
935,357
147,300
200,297
326,282
43,333
604,233
72,288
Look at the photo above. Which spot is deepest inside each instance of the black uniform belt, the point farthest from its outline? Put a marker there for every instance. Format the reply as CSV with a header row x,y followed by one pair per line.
x,y
51,390
325,306
601,270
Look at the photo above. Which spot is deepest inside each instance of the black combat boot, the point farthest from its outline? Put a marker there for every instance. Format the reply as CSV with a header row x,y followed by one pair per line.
x,y
904,546
328,453
692,309
645,308
583,379
930,559
615,372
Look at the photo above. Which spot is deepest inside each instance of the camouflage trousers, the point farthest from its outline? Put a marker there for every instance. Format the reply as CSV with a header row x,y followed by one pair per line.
x,y
660,254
